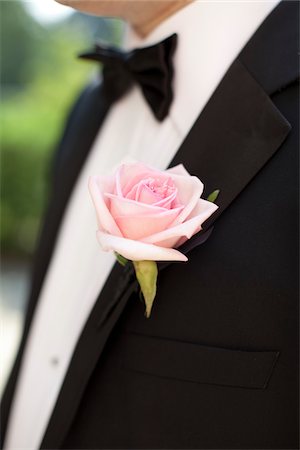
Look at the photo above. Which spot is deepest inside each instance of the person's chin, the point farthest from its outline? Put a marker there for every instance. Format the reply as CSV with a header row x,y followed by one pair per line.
x,y
96,7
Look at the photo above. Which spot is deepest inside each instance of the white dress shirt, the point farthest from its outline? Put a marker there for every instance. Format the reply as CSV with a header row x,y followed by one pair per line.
x,y
210,36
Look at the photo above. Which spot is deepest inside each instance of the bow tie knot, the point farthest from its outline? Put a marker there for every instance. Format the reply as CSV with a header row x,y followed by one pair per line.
x,y
150,67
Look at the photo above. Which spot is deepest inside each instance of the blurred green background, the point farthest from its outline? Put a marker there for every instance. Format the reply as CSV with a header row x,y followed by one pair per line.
x,y
40,78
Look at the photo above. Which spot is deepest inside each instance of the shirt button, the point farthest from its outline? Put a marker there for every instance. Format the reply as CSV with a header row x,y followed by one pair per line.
x,y
54,361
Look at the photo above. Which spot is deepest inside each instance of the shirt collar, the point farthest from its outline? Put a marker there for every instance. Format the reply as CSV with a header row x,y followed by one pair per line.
x,y
210,36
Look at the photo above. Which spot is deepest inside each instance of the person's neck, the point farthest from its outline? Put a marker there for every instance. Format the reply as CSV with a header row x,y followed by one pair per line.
x,y
153,13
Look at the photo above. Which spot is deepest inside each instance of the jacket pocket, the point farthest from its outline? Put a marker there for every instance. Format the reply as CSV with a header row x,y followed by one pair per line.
x,y
197,363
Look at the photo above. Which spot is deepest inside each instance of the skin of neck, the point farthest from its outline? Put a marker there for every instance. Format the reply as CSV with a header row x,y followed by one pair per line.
x,y
152,14
143,15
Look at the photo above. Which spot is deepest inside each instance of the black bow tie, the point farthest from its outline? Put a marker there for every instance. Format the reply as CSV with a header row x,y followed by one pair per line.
x,y
150,67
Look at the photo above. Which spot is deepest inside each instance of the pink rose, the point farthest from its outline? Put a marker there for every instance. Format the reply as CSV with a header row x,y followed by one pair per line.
x,y
144,213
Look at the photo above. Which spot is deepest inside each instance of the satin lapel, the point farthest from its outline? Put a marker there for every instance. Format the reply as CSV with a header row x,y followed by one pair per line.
x,y
236,134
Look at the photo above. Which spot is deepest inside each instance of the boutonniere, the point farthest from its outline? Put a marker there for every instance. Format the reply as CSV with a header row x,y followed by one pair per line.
x,y
145,214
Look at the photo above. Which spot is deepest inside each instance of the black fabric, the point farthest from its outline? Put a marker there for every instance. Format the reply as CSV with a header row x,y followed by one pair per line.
x,y
284,68
238,292
150,67
226,321
198,363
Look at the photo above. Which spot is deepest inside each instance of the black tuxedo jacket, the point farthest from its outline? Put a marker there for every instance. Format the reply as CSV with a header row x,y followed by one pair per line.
x,y
216,364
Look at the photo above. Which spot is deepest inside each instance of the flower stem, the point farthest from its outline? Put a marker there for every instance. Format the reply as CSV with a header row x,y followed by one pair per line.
x,y
123,261
146,274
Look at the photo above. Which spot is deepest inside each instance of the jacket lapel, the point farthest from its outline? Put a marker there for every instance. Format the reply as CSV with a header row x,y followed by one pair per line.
x,y
81,129
239,130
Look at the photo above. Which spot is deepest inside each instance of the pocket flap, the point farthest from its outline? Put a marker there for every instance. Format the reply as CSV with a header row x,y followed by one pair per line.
x,y
198,363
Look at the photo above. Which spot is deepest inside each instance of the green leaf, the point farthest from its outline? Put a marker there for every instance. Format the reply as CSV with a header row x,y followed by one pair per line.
x,y
146,274
123,261
213,196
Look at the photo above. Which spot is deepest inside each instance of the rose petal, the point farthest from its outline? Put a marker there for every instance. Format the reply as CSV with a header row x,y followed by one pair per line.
x,y
138,251
118,187
105,220
124,207
189,191
179,170
170,237
131,174
146,195
138,227
166,202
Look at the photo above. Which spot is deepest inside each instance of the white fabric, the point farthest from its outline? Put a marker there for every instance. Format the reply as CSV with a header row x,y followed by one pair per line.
x,y
211,34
